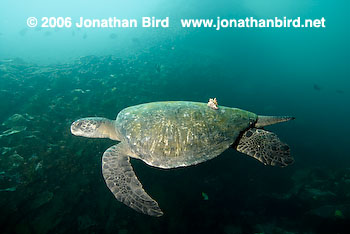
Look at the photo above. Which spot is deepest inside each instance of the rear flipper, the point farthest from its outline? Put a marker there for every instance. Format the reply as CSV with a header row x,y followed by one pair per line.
x,y
123,183
266,147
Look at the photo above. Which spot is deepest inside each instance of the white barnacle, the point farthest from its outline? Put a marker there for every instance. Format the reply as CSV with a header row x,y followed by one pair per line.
x,y
213,104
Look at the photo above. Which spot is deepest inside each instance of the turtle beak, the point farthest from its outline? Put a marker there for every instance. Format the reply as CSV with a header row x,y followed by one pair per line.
x,y
80,127
75,127
87,127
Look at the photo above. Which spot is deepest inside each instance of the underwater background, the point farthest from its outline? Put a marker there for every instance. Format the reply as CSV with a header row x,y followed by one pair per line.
x,y
51,181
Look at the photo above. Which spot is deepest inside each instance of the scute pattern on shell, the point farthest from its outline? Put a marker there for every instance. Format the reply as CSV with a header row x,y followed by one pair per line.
x,y
175,134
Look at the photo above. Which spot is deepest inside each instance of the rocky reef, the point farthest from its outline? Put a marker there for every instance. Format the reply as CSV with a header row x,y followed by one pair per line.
x,y
51,182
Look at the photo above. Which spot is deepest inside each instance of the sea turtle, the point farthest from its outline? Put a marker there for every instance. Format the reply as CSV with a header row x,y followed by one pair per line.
x,y
177,134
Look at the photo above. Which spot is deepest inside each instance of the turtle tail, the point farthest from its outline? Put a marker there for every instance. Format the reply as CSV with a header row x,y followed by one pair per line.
x,y
269,120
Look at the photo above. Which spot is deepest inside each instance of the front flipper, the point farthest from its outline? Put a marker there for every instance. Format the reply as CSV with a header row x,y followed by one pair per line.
x,y
123,183
266,147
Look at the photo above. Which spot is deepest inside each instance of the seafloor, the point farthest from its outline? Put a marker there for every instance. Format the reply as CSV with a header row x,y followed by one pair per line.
x,y
51,182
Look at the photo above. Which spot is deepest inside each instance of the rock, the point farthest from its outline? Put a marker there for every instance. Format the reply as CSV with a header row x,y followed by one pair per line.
x,y
268,228
38,166
85,222
15,120
16,160
78,91
318,195
331,212
12,189
123,231
5,150
41,199
14,130
231,229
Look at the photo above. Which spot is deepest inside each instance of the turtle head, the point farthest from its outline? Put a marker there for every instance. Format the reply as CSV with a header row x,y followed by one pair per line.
x,y
94,127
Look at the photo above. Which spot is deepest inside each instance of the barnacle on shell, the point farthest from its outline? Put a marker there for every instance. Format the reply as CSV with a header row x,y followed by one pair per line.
x,y
213,104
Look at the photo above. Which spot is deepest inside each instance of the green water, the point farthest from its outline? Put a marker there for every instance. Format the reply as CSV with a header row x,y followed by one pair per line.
x,y
51,181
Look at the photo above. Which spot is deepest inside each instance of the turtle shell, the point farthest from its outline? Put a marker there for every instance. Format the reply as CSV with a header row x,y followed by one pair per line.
x,y
175,134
